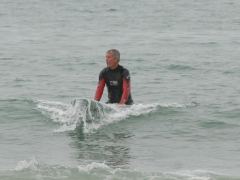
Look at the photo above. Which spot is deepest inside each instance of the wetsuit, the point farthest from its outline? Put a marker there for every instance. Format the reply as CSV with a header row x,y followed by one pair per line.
x,y
118,85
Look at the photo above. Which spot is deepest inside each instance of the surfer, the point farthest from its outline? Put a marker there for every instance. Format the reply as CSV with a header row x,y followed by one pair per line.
x,y
117,79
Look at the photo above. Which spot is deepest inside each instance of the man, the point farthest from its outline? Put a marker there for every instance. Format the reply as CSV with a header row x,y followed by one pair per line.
x,y
117,79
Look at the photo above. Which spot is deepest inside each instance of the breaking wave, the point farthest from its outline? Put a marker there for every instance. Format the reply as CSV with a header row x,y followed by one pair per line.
x,y
32,169
90,115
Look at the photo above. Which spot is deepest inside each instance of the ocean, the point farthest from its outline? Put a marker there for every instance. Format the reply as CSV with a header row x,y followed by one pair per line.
x,y
185,72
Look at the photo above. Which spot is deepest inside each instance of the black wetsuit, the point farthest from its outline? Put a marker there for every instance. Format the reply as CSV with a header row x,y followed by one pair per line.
x,y
114,81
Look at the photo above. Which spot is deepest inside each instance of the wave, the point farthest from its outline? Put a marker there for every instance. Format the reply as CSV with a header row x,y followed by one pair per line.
x,y
89,115
28,100
31,164
32,169
180,67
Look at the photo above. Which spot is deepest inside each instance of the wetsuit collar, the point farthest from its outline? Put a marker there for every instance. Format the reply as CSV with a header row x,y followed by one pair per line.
x,y
114,68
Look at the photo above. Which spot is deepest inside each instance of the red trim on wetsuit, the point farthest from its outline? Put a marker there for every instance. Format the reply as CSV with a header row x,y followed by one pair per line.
x,y
99,90
126,91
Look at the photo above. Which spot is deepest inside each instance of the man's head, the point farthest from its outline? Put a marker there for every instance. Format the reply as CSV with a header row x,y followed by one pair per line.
x,y
112,58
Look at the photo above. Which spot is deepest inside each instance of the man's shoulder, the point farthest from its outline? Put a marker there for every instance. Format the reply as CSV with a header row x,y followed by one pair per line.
x,y
123,69
104,70
125,72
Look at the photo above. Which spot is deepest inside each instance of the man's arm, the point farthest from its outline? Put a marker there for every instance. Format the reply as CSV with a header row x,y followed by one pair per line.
x,y
126,91
99,90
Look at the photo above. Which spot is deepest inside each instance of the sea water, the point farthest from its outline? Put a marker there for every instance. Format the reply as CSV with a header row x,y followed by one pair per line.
x,y
185,71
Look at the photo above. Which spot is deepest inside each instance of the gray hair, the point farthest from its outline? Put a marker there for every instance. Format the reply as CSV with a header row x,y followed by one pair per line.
x,y
115,53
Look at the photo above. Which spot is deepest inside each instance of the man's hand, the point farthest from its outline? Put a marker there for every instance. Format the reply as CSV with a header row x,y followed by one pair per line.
x,y
121,105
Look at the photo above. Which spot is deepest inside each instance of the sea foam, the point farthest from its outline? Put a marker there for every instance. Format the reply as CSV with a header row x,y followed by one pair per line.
x,y
91,115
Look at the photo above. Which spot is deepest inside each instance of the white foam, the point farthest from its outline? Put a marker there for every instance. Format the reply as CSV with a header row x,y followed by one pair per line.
x,y
124,112
103,170
56,110
69,115
193,174
32,164
92,166
121,173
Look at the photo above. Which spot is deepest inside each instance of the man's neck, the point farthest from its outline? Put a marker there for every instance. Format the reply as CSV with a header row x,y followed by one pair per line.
x,y
115,67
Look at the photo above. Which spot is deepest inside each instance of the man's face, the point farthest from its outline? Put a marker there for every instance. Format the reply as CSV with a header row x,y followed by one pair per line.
x,y
111,61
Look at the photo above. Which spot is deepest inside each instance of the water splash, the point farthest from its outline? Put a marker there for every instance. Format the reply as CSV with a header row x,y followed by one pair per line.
x,y
90,115
96,170
32,164
80,113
